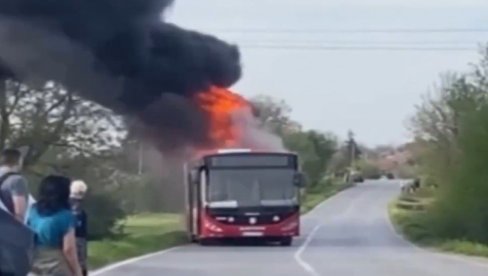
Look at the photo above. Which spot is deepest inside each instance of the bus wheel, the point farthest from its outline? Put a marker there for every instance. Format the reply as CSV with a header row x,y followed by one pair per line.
x,y
286,241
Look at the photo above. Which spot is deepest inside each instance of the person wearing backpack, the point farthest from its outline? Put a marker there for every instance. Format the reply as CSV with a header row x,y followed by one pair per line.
x,y
14,192
16,239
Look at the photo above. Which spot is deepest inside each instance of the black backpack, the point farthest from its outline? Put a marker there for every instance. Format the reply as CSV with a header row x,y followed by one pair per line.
x,y
5,196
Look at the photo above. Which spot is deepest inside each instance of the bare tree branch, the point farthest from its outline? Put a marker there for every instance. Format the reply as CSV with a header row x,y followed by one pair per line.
x,y
4,116
42,147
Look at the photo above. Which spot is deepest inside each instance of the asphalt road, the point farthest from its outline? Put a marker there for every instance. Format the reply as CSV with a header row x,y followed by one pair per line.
x,y
349,234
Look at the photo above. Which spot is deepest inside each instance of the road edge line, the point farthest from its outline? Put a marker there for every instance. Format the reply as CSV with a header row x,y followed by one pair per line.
x,y
133,260
298,254
446,255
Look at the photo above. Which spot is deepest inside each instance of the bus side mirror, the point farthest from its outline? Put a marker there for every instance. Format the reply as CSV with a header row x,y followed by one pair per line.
x,y
299,180
194,177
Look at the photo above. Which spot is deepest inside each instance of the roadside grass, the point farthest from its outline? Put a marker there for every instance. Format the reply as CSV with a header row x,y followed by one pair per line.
x,y
144,233
465,247
323,192
410,220
410,217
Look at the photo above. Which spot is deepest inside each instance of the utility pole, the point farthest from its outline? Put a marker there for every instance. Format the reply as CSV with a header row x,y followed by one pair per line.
x,y
352,148
140,158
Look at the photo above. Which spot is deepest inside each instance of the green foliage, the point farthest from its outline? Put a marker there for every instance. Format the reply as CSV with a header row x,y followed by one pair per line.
x,y
452,130
412,223
144,233
104,215
461,212
62,133
368,169
314,148
407,172
418,227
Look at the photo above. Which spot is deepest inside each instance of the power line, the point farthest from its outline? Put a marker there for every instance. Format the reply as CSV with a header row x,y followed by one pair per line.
x,y
397,30
361,42
358,48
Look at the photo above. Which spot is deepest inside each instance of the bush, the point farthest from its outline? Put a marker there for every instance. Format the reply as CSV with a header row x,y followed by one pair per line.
x,y
369,170
104,215
462,201
452,130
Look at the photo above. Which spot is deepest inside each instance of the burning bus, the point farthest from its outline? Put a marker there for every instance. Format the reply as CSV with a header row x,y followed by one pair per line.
x,y
242,194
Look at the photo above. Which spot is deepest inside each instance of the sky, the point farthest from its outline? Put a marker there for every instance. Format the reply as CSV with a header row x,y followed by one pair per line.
x,y
300,51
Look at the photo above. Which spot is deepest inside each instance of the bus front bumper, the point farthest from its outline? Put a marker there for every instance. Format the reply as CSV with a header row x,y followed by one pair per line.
x,y
289,227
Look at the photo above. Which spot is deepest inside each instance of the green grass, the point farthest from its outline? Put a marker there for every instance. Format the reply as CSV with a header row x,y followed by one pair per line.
x,y
144,233
465,247
415,225
411,222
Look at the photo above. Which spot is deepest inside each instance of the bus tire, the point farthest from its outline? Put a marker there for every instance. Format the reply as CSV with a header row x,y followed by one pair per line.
x,y
287,241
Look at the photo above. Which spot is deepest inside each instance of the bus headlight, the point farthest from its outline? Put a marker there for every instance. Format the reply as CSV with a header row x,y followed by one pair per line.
x,y
276,218
290,226
212,227
230,219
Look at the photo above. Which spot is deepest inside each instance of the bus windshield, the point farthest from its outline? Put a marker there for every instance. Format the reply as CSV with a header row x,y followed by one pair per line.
x,y
251,187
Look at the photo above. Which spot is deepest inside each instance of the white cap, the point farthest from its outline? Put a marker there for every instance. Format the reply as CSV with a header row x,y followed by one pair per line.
x,y
78,189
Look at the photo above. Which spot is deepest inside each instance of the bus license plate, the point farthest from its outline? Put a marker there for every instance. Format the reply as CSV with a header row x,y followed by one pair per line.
x,y
252,234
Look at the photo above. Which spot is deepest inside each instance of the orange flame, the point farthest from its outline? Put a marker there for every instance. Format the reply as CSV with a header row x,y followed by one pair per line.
x,y
222,105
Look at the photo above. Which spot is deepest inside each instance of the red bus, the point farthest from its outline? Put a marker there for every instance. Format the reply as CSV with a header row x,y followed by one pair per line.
x,y
241,194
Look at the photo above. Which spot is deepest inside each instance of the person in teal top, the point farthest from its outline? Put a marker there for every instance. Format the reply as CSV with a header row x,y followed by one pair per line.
x,y
53,223
50,230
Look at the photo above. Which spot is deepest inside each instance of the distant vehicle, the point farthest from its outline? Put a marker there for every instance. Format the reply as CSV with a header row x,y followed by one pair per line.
x,y
390,176
244,194
356,176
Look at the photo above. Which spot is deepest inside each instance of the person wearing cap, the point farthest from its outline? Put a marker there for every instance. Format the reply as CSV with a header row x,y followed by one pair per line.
x,y
78,191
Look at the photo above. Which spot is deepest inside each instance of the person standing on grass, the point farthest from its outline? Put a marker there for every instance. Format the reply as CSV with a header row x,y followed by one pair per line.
x,y
78,191
14,192
53,223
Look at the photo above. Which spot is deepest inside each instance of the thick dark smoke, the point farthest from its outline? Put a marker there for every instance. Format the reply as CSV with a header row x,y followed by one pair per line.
x,y
120,54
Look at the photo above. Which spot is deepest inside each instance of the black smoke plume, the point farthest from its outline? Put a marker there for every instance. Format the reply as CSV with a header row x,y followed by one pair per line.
x,y
120,54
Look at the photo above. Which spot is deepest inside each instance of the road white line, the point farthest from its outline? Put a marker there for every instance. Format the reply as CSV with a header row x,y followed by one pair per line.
x,y
298,255
133,260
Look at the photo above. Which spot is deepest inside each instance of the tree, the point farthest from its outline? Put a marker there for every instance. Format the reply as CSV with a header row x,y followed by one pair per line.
x,y
65,134
369,169
54,118
324,146
314,148
451,135
438,119
274,115
339,162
